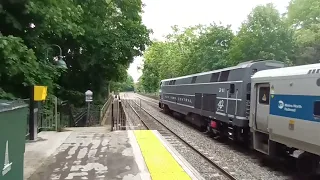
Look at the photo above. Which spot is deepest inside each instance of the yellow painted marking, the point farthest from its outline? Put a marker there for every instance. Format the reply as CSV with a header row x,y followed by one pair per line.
x,y
161,164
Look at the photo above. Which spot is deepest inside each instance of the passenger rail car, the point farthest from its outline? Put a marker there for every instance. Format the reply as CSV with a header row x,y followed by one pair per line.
x,y
285,114
217,100
275,109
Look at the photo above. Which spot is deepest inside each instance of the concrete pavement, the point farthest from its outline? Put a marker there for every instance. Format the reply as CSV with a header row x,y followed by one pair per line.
x,y
38,151
86,153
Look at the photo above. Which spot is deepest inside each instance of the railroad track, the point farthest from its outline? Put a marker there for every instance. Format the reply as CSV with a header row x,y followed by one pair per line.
x,y
152,123
133,123
153,101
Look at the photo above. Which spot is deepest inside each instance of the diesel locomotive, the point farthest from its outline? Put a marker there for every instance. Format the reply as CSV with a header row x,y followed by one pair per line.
x,y
275,109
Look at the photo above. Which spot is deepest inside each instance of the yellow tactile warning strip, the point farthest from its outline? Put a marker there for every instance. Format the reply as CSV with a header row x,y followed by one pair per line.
x,y
161,164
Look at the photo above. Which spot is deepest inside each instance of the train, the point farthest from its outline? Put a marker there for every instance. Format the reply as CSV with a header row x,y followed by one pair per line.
x,y
274,109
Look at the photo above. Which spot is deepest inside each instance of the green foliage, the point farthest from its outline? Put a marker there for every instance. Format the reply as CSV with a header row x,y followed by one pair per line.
x,y
190,50
99,40
294,39
122,86
303,13
304,16
210,50
263,36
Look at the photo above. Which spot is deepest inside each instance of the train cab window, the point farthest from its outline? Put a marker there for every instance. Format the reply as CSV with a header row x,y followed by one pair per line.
x,y
264,94
160,84
224,76
214,77
254,71
232,88
316,108
249,87
193,79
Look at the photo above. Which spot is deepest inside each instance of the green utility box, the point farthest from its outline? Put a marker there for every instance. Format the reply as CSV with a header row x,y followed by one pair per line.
x,y
13,123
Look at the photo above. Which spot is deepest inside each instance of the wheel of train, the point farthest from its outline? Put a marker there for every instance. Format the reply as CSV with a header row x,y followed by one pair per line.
x,y
308,164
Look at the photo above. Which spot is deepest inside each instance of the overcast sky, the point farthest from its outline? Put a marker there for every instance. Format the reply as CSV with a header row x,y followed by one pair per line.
x,y
160,15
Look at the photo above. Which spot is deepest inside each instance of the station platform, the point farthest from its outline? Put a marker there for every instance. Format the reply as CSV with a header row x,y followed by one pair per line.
x,y
93,153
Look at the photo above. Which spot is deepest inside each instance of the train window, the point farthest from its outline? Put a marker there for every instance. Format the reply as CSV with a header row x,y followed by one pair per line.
x,y
160,84
193,79
316,108
214,77
254,71
231,88
264,93
224,76
249,87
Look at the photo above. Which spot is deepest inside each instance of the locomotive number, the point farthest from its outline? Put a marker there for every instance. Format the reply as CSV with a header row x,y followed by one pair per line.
x,y
222,89
220,105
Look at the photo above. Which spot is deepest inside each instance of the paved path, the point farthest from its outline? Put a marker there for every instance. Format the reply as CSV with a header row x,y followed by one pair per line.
x,y
38,151
91,153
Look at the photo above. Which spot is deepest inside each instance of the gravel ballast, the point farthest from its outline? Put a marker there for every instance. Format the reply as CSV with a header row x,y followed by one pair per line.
x,y
207,170
242,166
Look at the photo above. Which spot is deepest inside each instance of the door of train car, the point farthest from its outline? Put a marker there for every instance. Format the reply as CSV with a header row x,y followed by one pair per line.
x,y
262,107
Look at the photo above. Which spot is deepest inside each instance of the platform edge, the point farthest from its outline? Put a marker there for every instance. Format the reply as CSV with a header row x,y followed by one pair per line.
x,y
186,166
144,172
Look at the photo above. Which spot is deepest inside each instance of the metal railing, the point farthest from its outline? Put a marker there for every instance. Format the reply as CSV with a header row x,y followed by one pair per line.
x,y
54,115
132,110
118,116
46,117
105,107
154,95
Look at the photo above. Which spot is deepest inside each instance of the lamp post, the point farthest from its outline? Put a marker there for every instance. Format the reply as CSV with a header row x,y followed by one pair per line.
x,y
88,95
60,63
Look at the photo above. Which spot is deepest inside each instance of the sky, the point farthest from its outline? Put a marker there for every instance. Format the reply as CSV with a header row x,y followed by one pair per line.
x,y
160,15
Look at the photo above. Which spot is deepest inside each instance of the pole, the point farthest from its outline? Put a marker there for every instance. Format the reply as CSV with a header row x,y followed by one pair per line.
x,y
56,111
88,112
140,105
112,118
31,115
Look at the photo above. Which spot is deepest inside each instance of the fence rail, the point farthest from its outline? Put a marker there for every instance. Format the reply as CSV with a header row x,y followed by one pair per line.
x,y
54,115
118,116
105,107
151,95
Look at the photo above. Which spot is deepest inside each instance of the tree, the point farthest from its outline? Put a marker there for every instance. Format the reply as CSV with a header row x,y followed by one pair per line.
x,y
122,86
303,13
304,17
185,51
99,39
263,36
210,50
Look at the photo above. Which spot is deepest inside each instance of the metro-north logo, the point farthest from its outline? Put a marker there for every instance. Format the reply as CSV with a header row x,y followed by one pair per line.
x,y
280,104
